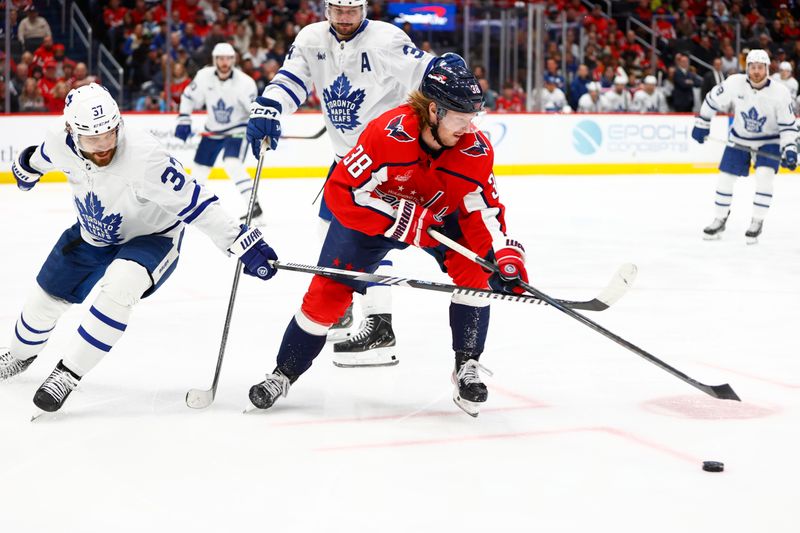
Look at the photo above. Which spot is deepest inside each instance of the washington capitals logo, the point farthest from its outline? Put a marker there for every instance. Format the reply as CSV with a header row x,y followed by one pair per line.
x,y
343,104
480,148
222,113
92,216
396,130
752,122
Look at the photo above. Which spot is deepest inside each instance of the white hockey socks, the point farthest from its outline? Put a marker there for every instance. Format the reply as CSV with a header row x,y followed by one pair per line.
x,y
723,195
100,329
765,183
36,323
239,176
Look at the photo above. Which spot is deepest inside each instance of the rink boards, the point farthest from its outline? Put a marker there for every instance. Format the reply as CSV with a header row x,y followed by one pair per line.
x,y
524,144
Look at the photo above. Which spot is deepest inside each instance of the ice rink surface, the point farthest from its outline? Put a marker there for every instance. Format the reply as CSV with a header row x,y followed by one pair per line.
x,y
579,434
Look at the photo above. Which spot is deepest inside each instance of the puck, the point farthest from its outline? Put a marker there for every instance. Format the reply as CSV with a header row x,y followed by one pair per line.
x,y
713,466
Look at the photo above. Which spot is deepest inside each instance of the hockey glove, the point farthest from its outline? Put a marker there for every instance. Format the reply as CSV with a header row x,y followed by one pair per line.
x,y
264,124
254,253
510,261
184,128
451,59
24,173
701,129
789,159
411,225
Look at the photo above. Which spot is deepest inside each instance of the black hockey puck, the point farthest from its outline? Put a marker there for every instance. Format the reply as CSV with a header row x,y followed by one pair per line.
x,y
713,466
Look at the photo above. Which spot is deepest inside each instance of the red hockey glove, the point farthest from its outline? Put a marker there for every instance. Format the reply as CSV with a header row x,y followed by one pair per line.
x,y
411,225
510,260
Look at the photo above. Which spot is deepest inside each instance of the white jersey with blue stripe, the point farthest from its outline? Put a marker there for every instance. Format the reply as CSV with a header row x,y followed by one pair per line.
x,y
760,116
143,191
356,80
227,101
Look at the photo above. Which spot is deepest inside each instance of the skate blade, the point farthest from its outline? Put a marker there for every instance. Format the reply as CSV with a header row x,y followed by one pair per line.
x,y
249,409
386,356
39,414
473,409
707,237
751,240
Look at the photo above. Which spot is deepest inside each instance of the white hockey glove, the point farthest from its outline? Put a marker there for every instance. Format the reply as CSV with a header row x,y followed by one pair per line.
x,y
24,173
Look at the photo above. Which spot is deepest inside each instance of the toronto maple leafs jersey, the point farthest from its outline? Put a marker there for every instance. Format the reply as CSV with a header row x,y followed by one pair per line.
x,y
760,116
649,103
613,102
227,101
143,191
553,101
356,79
587,105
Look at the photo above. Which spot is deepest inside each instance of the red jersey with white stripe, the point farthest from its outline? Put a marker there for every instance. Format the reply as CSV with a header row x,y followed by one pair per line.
x,y
390,163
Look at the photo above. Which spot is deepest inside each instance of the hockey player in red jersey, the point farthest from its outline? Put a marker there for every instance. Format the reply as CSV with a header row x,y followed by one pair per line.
x,y
418,166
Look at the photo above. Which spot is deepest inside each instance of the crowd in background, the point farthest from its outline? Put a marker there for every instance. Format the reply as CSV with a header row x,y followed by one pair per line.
x,y
598,61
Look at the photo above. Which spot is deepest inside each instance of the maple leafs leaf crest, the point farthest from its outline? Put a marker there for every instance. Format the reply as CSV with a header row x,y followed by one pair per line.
x,y
104,228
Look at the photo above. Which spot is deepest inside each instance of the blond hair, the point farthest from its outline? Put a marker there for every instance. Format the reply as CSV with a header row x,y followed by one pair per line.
x,y
420,104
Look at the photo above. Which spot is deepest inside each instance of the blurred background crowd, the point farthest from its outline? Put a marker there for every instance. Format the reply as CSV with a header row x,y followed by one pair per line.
x,y
595,55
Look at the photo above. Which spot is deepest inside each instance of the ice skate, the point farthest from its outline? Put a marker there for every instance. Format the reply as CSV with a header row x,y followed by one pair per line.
x,y
752,233
10,366
714,231
263,395
373,345
470,392
343,328
55,389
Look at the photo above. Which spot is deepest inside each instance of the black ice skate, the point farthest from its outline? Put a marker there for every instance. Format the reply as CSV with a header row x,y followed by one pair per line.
x,y
373,345
255,220
714,231
342,329
264,394
10,366
752,233
470,392
56,388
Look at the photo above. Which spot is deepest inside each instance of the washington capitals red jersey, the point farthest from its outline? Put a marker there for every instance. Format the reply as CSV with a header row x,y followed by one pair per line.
x,y
389,163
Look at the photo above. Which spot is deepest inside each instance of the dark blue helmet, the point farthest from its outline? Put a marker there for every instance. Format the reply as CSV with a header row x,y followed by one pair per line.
x,y
453,87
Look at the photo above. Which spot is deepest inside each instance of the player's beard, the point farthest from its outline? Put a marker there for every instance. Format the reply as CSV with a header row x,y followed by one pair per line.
x,y
344,30
101,159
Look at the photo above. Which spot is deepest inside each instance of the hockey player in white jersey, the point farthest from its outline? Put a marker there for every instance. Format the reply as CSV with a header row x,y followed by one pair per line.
x,y
362,68
590,102
785,78
132,201
649,99
763,119
617,99
227,93
553,99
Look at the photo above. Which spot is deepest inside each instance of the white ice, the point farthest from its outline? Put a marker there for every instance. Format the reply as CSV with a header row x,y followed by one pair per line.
x,y
579,434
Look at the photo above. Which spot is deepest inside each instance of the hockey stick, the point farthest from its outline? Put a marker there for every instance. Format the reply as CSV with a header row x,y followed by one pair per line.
x,y
241,135
743,148
722,392
197,398
619,284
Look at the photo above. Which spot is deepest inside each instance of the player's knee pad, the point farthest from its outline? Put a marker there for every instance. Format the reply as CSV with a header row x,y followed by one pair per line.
x,y
200,173
765,179
125,282
726,181
326,300
43,310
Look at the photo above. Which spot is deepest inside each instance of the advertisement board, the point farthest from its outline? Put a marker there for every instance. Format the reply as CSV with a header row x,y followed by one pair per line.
x,y
423,16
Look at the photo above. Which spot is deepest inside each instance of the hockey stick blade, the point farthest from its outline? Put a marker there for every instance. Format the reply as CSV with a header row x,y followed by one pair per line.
x,y
609,295
723,392
620,283
199,399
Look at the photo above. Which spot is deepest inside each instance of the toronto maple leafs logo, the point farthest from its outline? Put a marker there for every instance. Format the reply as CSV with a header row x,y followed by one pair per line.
x,y
321,56
396,130
104,228
480,148
342,104
222,113
752,122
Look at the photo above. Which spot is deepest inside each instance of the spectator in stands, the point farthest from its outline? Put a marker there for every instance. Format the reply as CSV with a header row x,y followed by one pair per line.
x,y
607,79
55,104
553,98
134,40
618,99
63,63
81,77
20,77
305,15
257,52
241,39
552,71
44,51
47,84
190,40
489,95
712,78
509,101
590,102
685,81
31,99
152,100
649,99
180,80
33,29
579,84
730,63
705,52
13,98
784,77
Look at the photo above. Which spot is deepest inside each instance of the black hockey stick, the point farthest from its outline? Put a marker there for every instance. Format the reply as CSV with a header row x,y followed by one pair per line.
x,y
743,148
198,398
241,135
722,392
618,286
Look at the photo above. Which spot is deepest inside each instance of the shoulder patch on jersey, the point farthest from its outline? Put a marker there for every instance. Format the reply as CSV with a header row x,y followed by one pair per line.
x,y
343,103
752,122
478,149
397,131
103,228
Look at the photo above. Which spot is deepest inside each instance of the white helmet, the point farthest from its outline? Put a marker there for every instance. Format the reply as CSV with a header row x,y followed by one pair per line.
x,y
90,111
346,3
785,65
757,56
650,80
223,50
593,86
